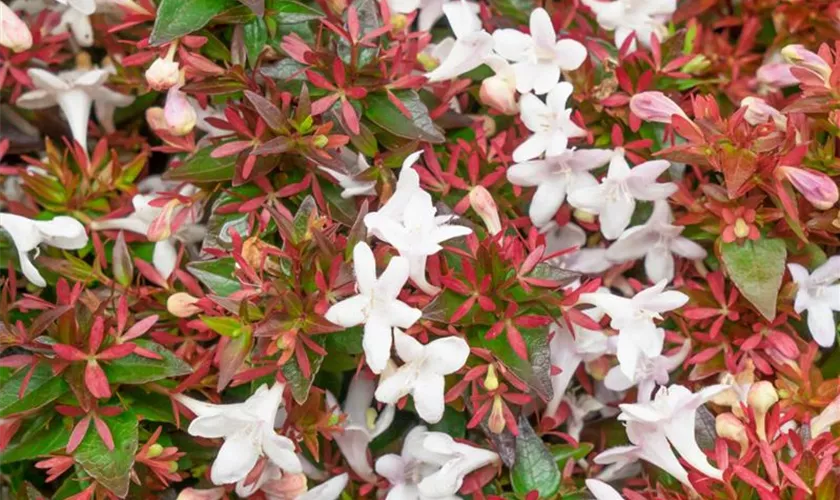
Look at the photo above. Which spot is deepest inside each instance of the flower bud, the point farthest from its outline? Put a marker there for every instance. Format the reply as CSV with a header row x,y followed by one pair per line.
x,y
182,305
156,119
482,202
804,58
655,107
500,94
178,112
14,33
818,188
164,72
828,417
776,75
154,451
491,381
728,426
761,398
199,494
759,112
496,422
285,486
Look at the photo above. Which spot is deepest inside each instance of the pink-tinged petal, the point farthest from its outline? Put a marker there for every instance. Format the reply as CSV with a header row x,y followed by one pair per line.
x,y
467,54
78,434
633,244
512,44
96,381
688,249
116,352
104,432
69,353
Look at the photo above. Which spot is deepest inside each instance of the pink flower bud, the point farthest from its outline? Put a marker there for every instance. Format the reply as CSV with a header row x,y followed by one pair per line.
x,y
482,202
761,397
804,58
500,94
182,305
776,75
729,426
759,112
178,112
163,73
655,107
818,188
155,118
14,33
286,487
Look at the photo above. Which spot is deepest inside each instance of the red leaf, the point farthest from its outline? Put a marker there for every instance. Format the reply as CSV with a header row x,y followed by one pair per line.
x,y
78,434
96,381
738,165
517,343
116,352
69,353
104,432
350,117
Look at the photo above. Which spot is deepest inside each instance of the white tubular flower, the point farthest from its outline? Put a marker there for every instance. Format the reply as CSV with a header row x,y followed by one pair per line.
x,y
550,122
820,297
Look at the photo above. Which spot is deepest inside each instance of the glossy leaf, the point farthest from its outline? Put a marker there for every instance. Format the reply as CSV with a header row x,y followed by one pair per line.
x,y
216,275
759,283
200,167
110,468
535,467
42,388
176,18
134,369
384,114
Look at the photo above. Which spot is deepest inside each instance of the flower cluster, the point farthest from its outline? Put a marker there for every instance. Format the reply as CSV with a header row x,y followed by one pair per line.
x,y
419,249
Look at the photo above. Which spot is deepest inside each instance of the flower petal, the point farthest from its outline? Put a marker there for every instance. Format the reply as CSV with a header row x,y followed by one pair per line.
x,y
237,456
377,342
446,355
428,396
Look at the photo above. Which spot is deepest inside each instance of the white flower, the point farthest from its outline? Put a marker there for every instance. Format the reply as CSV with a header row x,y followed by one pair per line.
x,y
759,112
580,407
550,121
353,182
26,234
74,92
430,10
539,57
499,90
376,305
418,236
820,296
615,198
556,176
14,33
75,16
361,425
472,44
432,466
655,426
165,255
407,186
633,318
567,351
643,17
248,431
422,373
602,491
649,372
584,260
658,241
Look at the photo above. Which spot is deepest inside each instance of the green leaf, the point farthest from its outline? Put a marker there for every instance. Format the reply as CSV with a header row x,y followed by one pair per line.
x,y
294,377
200,167
291,12
453,423
134,369
176,18
536,371
40,441
42,388
515,10
534,467
216,275
756,268
384,114
562,453
256,37
150,406
110,468
229,327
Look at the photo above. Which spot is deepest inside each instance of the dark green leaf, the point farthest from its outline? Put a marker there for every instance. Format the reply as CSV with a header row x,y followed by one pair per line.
x,y
256,37
380,111
534,468
200,167
291,12
536,371
35,444
134,369
756,268
518,11
453,423
216,275
110,468
176,18
562,453
42,388
150,406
